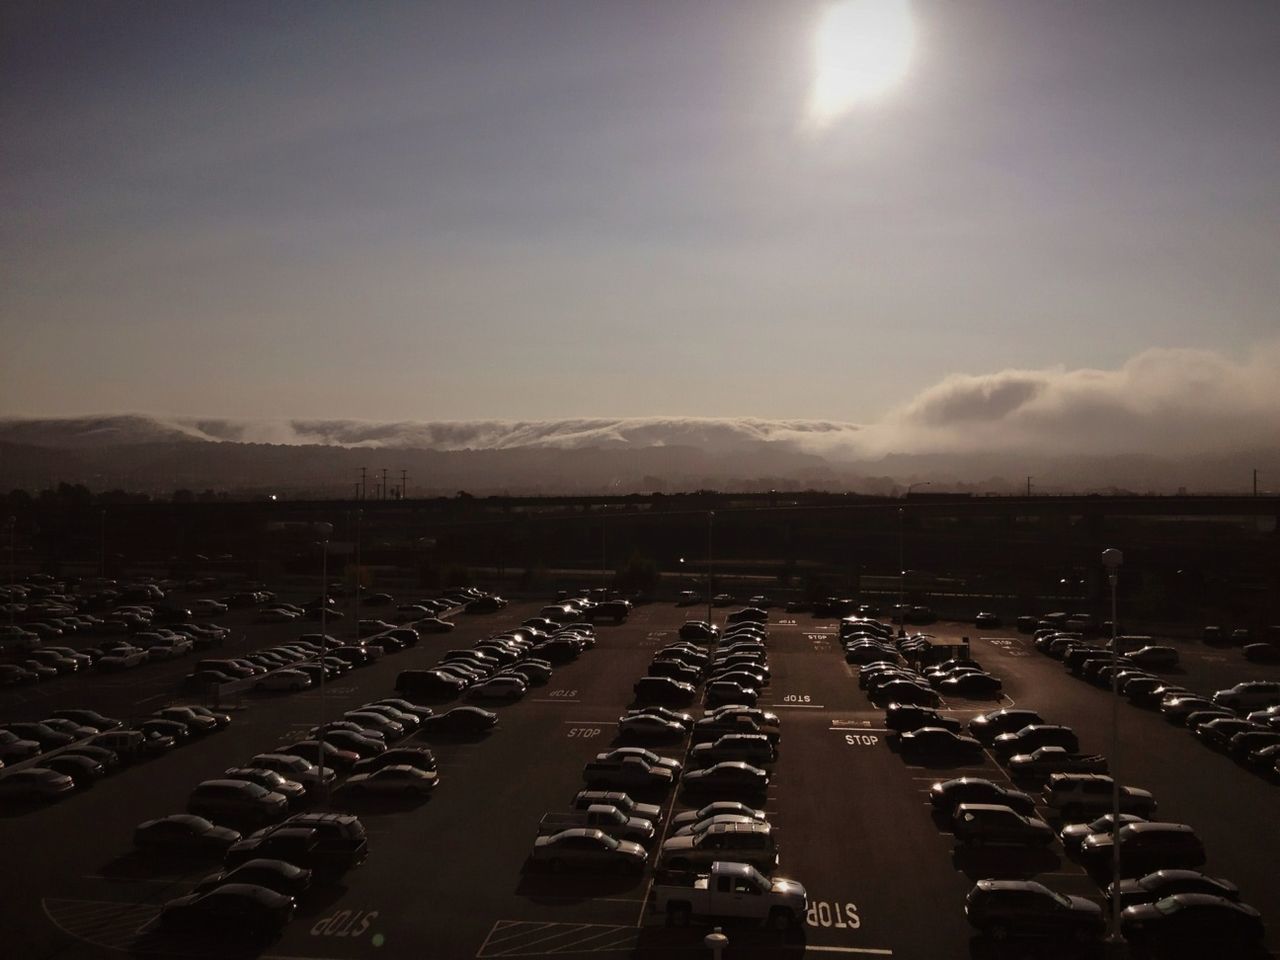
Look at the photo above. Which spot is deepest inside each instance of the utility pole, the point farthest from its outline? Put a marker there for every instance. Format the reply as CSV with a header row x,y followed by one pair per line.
x,y
355,621
363,488
711,516
404,482
1255,481
384,483
1112,559
324,647
13,527
1028,486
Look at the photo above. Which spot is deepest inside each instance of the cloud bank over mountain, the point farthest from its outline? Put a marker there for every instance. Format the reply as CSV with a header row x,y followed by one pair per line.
x,y
1163,418
1161,402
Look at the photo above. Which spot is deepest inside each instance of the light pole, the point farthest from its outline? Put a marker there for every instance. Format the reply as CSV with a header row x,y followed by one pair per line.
x,y
711,516
1112,559
902,563
102,545
13,566
324,652
355,627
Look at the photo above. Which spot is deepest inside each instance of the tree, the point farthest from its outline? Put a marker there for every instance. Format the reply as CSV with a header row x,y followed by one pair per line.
x,y
639,573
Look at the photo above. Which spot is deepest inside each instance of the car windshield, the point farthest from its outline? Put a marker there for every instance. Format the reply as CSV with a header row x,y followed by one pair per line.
x,y
1167,906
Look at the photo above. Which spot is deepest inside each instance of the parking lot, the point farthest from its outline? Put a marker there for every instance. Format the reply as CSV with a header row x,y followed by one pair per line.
x,y
447,877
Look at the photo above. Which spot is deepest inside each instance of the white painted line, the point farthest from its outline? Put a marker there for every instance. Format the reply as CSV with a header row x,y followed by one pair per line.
x,y
872,951
158,696
797,706
99,876
860,729
583,723
553,700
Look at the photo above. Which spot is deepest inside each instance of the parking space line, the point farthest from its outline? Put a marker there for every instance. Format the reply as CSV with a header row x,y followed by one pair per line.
x,y
866,951
522,947
582,722
538,925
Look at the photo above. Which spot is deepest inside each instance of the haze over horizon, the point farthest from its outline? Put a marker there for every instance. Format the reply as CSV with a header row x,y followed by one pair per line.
x,y
940,228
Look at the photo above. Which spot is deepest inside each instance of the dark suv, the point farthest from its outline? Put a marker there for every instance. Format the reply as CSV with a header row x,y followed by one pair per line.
x,y
1024,908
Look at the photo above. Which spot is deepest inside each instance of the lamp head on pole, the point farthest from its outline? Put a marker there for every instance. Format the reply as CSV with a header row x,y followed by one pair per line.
x,y
1112,560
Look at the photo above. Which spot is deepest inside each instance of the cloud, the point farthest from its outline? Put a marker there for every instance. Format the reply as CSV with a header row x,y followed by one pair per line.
x,y
1161,402
1166,402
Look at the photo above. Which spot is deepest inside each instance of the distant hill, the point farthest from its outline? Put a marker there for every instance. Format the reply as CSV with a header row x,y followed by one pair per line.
x,y
323,458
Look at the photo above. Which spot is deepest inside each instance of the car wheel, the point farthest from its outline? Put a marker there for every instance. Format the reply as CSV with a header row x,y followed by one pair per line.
x,y
678,915
680,865
781,919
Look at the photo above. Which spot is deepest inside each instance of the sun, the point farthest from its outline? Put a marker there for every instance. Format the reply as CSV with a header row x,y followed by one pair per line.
x,y
863,50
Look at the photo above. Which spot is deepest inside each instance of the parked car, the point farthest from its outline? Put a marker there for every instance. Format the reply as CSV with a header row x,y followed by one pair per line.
x,y
237,801
1002,909
727,779
983,824
946,795
1032,737
1249,695
1046,761
652,689
294,767
1145,847
234,910
584,848
1166,883
341,837
83,770
626,773
747,841
460,721
293,791
35,783
288,680
1080,796
276,875
15,749
1192,918
649,728
183,834
937,742
394,780
1073,835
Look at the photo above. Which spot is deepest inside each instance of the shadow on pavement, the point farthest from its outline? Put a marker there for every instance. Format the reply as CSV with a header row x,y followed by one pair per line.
x,y
1004,863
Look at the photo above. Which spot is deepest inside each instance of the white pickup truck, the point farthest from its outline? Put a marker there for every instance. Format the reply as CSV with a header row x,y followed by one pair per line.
x,y
731,891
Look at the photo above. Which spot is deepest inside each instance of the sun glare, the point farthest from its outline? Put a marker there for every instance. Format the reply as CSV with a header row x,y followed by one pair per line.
x,y
863,50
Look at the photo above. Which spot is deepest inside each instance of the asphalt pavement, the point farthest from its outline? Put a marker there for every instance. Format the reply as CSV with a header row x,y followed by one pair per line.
x,y
447,877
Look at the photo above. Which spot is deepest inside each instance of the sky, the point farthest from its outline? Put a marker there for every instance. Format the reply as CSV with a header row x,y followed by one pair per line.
x,y
548,209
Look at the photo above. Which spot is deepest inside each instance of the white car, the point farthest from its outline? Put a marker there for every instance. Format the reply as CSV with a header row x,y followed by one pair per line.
x,y
166,648
498,688
208,608
395,780
283,680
